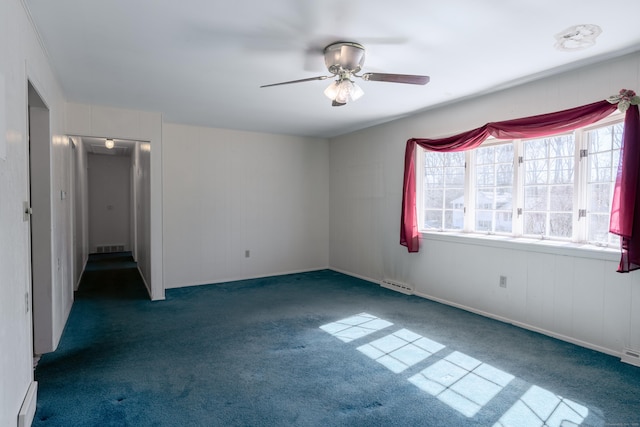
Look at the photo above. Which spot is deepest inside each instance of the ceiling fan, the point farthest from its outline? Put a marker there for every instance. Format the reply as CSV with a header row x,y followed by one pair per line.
x,y
344,60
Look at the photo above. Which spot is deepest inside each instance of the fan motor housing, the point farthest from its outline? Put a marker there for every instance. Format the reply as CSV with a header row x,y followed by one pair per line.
x,y
344,56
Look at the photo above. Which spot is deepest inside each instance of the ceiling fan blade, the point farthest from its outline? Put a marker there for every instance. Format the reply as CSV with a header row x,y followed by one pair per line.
x,y
396,78
337,104
298,81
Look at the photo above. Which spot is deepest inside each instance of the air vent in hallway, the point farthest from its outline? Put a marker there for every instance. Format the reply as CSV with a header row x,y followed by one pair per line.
x,y
110,248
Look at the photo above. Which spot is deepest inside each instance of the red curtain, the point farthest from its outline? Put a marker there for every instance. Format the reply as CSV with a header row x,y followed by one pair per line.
x,y
625,209
532,127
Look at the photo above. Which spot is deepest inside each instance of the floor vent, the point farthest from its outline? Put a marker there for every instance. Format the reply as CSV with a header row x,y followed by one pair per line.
x,y
631,357
397,286
103,249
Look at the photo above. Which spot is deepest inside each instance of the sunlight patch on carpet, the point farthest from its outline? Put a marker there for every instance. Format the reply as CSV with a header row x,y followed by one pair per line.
x,y
400,350
355,327
541,407
462,382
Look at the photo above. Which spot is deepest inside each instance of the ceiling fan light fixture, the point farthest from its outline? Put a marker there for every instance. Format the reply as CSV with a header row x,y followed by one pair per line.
x,y
109,143
343,91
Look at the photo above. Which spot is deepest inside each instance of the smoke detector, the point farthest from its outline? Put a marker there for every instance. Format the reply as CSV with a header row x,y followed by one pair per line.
x,y
577,37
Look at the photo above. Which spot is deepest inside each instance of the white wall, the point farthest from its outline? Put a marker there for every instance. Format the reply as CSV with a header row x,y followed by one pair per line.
x,y
80,199
109,201
22,58
142,187
226,192
101,122
574,295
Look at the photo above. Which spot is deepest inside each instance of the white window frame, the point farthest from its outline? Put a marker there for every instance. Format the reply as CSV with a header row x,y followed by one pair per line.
x,y
579,234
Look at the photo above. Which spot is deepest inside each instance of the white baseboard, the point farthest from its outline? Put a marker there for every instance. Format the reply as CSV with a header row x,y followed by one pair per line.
x,y
250,277
146,285
28,408
523,325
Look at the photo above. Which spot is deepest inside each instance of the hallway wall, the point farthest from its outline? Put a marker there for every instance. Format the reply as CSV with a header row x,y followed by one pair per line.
x,y
109,201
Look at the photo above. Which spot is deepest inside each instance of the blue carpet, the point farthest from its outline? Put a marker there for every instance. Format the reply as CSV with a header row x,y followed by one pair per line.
x,y
312,349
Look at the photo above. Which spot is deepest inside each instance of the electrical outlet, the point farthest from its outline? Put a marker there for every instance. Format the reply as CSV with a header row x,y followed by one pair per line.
x,y
503,281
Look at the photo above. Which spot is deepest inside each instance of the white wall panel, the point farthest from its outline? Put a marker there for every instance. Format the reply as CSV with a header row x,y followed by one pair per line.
x,y
226,192
617,307
588,294
564,294
22,59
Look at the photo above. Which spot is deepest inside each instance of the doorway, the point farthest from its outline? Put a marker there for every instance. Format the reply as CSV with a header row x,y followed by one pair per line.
x,y
38,213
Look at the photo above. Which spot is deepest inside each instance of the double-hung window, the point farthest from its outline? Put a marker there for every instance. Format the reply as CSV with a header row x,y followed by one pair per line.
x,y
558,187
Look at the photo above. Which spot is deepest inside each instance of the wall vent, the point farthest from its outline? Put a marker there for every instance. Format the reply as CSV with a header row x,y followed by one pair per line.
x,y
397,286
103,249
631,357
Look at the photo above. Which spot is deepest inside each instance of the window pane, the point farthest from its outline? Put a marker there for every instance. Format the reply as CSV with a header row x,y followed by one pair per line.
x,y
535,223
599,228
493,196
454,159
485,176
504,154
560,225
454,176
604,155
599,196
535,198
561,198
484,221
548,191
600,139
504,174
601,166
433,219
504,222
433,198
443,190
537,172
561,170
535,149
617,135
453,220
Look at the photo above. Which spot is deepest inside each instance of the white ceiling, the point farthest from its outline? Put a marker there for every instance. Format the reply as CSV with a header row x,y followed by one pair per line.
x,y
201,62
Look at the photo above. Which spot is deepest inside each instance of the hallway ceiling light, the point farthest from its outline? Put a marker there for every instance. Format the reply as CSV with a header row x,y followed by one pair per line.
x,y
109,143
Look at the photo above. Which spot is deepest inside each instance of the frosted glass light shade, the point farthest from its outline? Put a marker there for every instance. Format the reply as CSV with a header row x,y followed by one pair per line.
x,y
343,91
109,143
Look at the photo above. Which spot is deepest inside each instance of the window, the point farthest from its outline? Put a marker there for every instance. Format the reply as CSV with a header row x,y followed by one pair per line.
x,y
443,185
548,167
604,156
559,187
494,188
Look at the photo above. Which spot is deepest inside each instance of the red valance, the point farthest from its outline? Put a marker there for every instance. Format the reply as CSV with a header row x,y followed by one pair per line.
x,y
623,214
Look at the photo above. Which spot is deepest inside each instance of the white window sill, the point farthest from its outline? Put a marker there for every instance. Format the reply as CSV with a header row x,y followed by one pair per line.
x,y
563,248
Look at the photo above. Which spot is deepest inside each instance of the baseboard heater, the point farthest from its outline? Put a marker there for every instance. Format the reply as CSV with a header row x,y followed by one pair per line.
x,y
631,357
103,249
397,286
